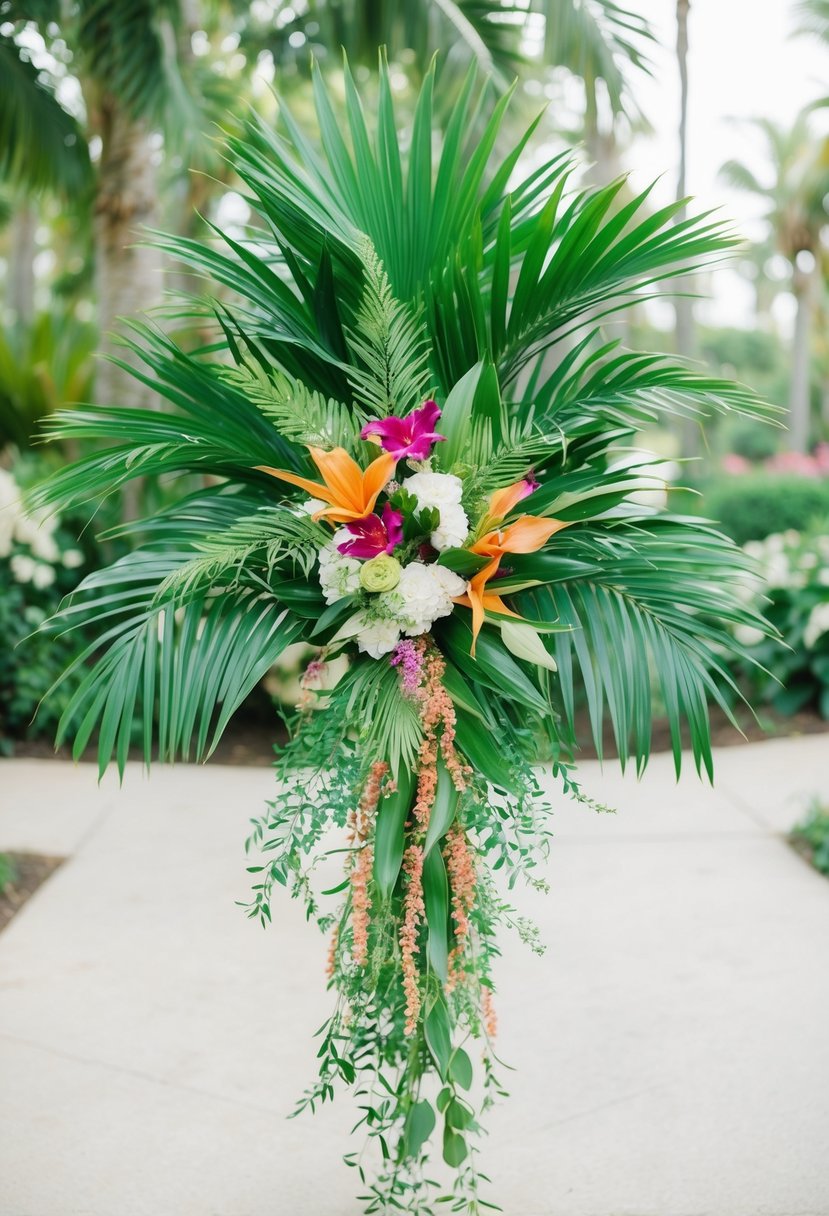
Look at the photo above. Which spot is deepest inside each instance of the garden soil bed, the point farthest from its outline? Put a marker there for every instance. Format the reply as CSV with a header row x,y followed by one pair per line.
x,y
30,871
249,740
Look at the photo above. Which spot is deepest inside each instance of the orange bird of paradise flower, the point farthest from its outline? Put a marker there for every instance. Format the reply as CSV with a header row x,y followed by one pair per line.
x,y
527,534
349,490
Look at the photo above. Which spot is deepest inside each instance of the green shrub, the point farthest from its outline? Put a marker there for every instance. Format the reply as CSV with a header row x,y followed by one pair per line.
x,y
812,837
752,442
793,673
756,505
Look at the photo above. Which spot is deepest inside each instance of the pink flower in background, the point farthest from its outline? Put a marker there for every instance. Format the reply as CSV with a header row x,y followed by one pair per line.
x,y
796,462
734,464
821,458
374,534
409,438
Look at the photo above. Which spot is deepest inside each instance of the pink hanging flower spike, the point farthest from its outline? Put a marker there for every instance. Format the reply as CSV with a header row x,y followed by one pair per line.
x,y
409,438
373,535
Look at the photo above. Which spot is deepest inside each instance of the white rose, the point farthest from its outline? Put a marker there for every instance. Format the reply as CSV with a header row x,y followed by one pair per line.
x,y
72,558
43,576
339,574
437,490
453,528
377,637
23,568
423,595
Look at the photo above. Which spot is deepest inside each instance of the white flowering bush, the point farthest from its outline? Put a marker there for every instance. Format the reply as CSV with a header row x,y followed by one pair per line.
x,y
39,563
794,577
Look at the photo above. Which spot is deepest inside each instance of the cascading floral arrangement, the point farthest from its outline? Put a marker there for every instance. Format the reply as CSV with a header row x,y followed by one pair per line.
x,y
418,449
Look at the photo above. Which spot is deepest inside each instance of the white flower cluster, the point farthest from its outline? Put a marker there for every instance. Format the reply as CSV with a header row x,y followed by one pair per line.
x,y
423,595
35,532
339,574
443,492
791,562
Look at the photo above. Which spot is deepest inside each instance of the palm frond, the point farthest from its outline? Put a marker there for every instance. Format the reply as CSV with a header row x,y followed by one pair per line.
x,y
249,551
42,146
175,676
600,42
648,605
370,694
635,388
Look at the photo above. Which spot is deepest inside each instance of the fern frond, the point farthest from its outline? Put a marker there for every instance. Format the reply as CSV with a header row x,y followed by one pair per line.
x,y
272,537
389,345
297,412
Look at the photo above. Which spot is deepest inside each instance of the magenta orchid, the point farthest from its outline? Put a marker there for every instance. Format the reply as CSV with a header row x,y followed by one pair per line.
x,y
410,438
374,534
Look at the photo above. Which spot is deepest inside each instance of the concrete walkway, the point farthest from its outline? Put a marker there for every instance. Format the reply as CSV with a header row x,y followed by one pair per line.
x,y
671,1048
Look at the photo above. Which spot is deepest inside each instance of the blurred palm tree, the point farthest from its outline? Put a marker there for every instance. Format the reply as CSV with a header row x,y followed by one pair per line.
x,y
599,42
794,208
812,17
137,86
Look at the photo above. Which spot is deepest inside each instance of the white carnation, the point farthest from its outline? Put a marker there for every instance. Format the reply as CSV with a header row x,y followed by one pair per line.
x,y
423,595
453,528
377,637
339,574
439,490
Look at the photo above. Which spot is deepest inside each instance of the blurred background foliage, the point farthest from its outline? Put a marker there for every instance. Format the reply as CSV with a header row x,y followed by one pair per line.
x,y
112,118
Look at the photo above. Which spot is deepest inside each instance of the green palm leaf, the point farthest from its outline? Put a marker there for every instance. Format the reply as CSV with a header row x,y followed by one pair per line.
x,y
648,615
41,144
173,676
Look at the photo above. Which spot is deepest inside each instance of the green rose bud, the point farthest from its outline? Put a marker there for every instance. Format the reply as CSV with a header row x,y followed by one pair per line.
x,y
381,573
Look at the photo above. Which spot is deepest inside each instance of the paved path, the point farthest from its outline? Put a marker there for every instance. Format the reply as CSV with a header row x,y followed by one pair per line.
x,y
671,1048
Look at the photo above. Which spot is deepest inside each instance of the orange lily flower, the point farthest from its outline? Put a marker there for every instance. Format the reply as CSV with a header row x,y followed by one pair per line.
x,y
350,491
527,534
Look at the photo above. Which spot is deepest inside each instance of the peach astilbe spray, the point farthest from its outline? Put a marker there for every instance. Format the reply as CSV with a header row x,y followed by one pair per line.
x,y
460,866
361,824
414,911
437,715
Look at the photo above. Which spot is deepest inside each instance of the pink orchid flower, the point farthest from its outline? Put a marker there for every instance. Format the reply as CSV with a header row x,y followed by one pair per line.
x,y
409,438
373,535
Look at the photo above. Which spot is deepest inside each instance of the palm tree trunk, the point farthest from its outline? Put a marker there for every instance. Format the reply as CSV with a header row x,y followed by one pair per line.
x,y
683,305
128,275
799,395
22,263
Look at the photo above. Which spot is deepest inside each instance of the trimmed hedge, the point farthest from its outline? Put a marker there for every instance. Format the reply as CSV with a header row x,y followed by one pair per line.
x,y
754,505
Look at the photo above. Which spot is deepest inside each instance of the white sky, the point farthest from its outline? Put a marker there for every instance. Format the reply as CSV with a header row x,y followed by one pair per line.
x,y
743,62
